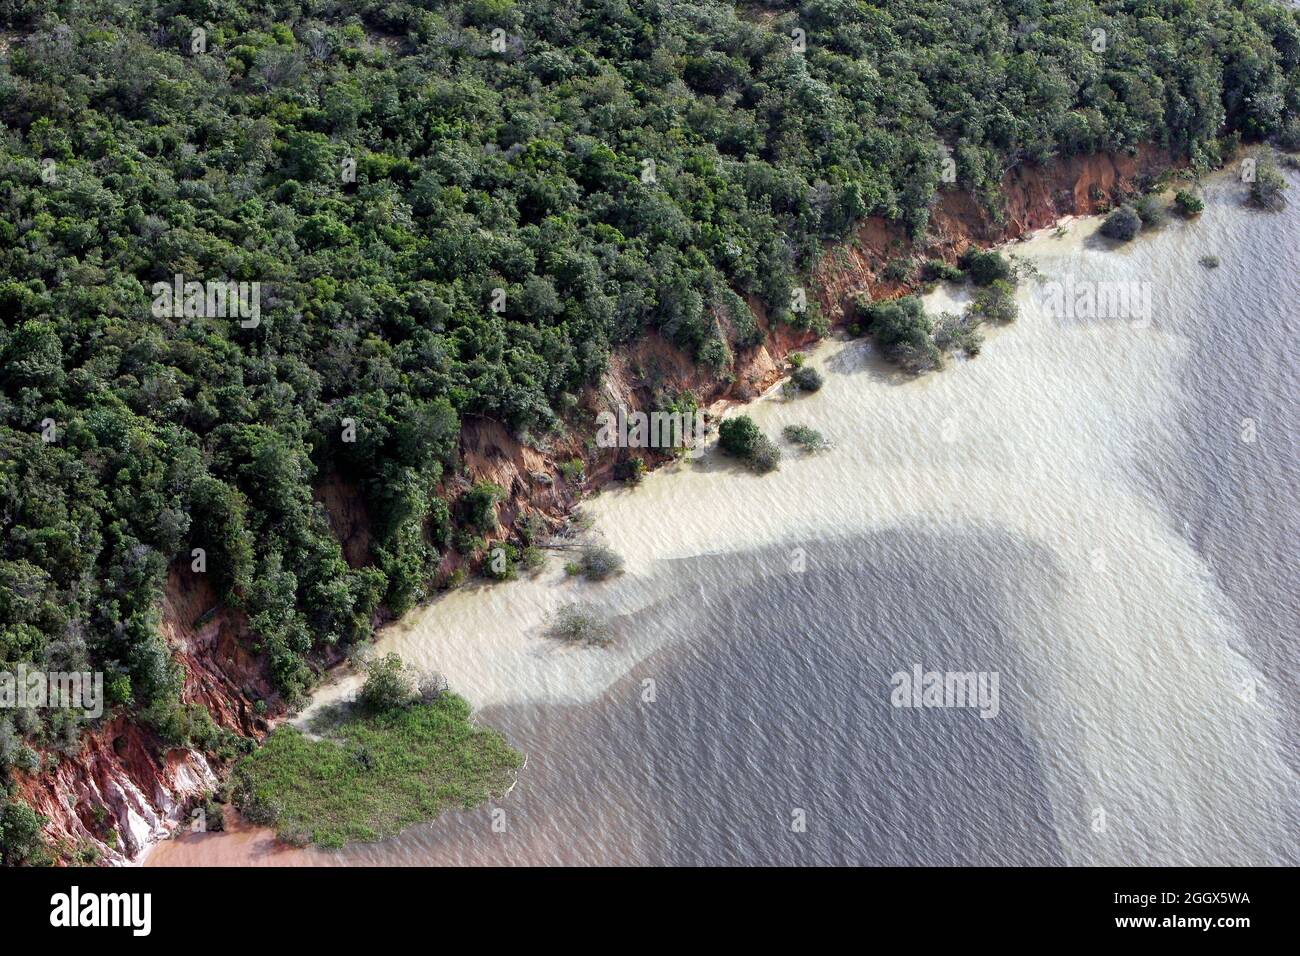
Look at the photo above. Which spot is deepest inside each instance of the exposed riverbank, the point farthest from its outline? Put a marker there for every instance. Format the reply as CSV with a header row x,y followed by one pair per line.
x,y
1029,512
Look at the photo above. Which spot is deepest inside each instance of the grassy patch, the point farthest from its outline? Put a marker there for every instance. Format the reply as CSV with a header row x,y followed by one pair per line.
x,y
373,775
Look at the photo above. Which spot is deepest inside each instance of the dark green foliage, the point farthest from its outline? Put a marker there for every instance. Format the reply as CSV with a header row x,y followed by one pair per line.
x,y
20,832
1188,203
738,436
807,379
1122,224
474,171
902,331
984,267
995,303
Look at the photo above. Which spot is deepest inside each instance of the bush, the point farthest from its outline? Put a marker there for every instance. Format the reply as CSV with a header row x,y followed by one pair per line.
x,y
958,333
598,562
580,624
631,470
1210,262
1122,224
937,269
740,438
1188,203
1269,188
1150,210
387,687
573,470
806,378
20,832
996,303
765,457
480,504
809,439
902,330
984,268
737,436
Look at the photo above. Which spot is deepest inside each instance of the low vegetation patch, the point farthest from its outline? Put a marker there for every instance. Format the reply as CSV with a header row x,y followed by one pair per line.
x,y
1268,191
809,439
581,624
596,562
401,756
740,438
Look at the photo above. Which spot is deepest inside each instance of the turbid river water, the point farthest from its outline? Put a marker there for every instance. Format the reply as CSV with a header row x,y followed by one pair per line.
x,y
1102,511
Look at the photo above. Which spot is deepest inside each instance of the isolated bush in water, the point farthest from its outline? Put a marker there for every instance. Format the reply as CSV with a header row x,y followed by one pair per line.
x,y
1269,188
580,624
806,378
809,439
1188,203
1122,224
1150,210
598,562
740,438
737,436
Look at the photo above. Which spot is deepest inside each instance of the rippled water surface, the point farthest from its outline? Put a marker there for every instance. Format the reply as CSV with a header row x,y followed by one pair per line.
x,y
1102,512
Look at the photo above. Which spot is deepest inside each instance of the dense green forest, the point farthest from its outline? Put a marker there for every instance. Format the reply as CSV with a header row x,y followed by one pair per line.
x,y
380,169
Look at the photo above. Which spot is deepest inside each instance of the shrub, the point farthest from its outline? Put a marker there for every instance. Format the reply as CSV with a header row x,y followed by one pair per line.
x,y
580,624
937,269
984,267
765,457
387,687
996,303
430,687
480,504
631,470
958,333
1188,203
737,436
740,438
809,439
598,562
20,832
1269,188
1122,224
806,378
1150,210
902,330
1210,262
573,470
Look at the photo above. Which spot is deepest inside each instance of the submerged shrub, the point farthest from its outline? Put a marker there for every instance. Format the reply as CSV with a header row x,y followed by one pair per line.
x,y
598,562
740,438
580,624
1150,210
806,378
1122,224
1269,188
809,439
1188,203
